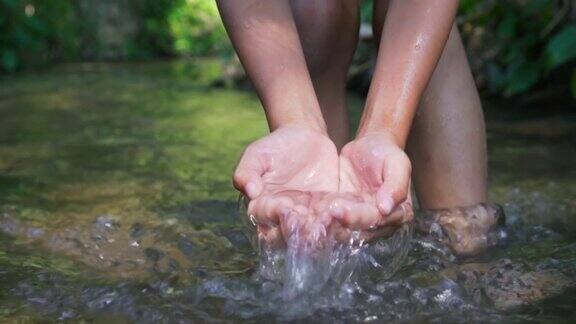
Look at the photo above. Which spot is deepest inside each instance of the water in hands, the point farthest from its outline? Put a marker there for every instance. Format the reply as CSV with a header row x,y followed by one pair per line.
x,y
307,231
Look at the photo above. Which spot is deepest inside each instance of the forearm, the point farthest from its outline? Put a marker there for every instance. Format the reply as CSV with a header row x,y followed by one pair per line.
x,y
265,37
413,37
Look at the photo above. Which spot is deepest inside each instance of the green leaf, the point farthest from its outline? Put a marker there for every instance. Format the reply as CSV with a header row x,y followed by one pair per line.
x,y
9,60
468,6
521,79
515,52
561,48
535,7
507,27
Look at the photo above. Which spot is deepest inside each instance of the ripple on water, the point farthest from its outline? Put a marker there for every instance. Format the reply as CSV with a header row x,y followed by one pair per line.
x,y
356,282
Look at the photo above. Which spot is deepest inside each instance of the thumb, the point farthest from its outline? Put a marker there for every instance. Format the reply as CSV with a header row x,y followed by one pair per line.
x,y
395,186
248,175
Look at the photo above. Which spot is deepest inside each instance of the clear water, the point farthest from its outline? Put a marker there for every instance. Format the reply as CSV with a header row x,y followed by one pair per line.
x,y
303,270
116,204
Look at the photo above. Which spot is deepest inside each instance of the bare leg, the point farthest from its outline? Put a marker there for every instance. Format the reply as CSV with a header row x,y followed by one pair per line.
x,y
448,139
328,31
447,144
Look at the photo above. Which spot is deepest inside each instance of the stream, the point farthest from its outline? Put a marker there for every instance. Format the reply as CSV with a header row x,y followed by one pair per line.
x,y
116,205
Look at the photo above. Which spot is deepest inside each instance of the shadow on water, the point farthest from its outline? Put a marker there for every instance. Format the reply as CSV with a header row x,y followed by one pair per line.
x,y
116,204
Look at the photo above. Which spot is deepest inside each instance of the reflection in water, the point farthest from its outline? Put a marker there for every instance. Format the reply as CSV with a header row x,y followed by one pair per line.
x,y
116,204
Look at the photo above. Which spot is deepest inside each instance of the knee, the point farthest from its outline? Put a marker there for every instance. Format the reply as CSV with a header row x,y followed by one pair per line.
x,y
328,31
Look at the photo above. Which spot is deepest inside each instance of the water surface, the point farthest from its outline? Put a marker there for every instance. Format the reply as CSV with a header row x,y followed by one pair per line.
x,y
116,204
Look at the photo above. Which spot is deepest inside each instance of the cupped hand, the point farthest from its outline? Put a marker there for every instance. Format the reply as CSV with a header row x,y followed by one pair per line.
x,y
286,175
376,169
295,180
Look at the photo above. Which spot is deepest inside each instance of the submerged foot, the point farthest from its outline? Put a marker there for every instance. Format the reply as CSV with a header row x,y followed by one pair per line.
x,y
467,230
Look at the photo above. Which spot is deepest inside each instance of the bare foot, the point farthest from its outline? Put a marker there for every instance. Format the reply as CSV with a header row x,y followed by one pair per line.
x,y
467,230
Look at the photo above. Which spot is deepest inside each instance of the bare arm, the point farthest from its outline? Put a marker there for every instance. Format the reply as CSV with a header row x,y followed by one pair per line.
x,y
265,37
413,37
412,41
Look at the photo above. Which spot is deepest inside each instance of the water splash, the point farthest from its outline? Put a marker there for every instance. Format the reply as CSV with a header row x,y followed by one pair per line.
x,y
307,268
431,284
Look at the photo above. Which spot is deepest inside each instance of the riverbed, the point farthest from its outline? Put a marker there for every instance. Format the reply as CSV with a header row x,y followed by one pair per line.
x,y
116,204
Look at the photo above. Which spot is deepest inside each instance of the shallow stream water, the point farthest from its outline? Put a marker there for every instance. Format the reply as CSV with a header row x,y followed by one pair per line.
x,y
116,204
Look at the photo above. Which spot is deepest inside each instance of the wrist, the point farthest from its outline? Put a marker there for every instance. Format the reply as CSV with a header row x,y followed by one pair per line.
x,y
389,135
393,119
304,118
311,125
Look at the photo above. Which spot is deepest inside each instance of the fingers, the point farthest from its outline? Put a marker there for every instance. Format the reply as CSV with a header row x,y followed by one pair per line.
x,y
378,233
248,174
396,182
339,232
279,217
355,215
400,215
366,218
269,209
268,212
271,236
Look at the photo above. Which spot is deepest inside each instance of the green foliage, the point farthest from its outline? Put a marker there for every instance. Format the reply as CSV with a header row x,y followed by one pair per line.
x,y
522,42
366,10
34,32
154,37
197,29
561,48
518,43
179,27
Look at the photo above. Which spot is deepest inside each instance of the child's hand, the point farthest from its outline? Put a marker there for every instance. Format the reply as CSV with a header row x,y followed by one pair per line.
x,y
375,168
284,175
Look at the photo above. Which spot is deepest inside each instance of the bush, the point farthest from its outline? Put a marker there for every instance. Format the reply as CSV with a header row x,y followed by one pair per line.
x,y
179,27
197,29
513,44
35,32
516,44
154,37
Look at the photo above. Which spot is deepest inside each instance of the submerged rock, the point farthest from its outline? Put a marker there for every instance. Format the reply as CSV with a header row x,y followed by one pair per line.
x,y
168,275
506,284
137,230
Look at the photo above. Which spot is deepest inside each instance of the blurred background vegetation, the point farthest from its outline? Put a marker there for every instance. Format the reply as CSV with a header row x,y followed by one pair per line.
x,y
514,45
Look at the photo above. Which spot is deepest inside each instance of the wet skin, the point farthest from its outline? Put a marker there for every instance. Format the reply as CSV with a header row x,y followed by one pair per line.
x,y
297,53
284,175
293,180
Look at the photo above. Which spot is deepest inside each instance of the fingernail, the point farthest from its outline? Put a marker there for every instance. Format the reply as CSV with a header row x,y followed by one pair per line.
x,y
251,190
386,205
336,211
